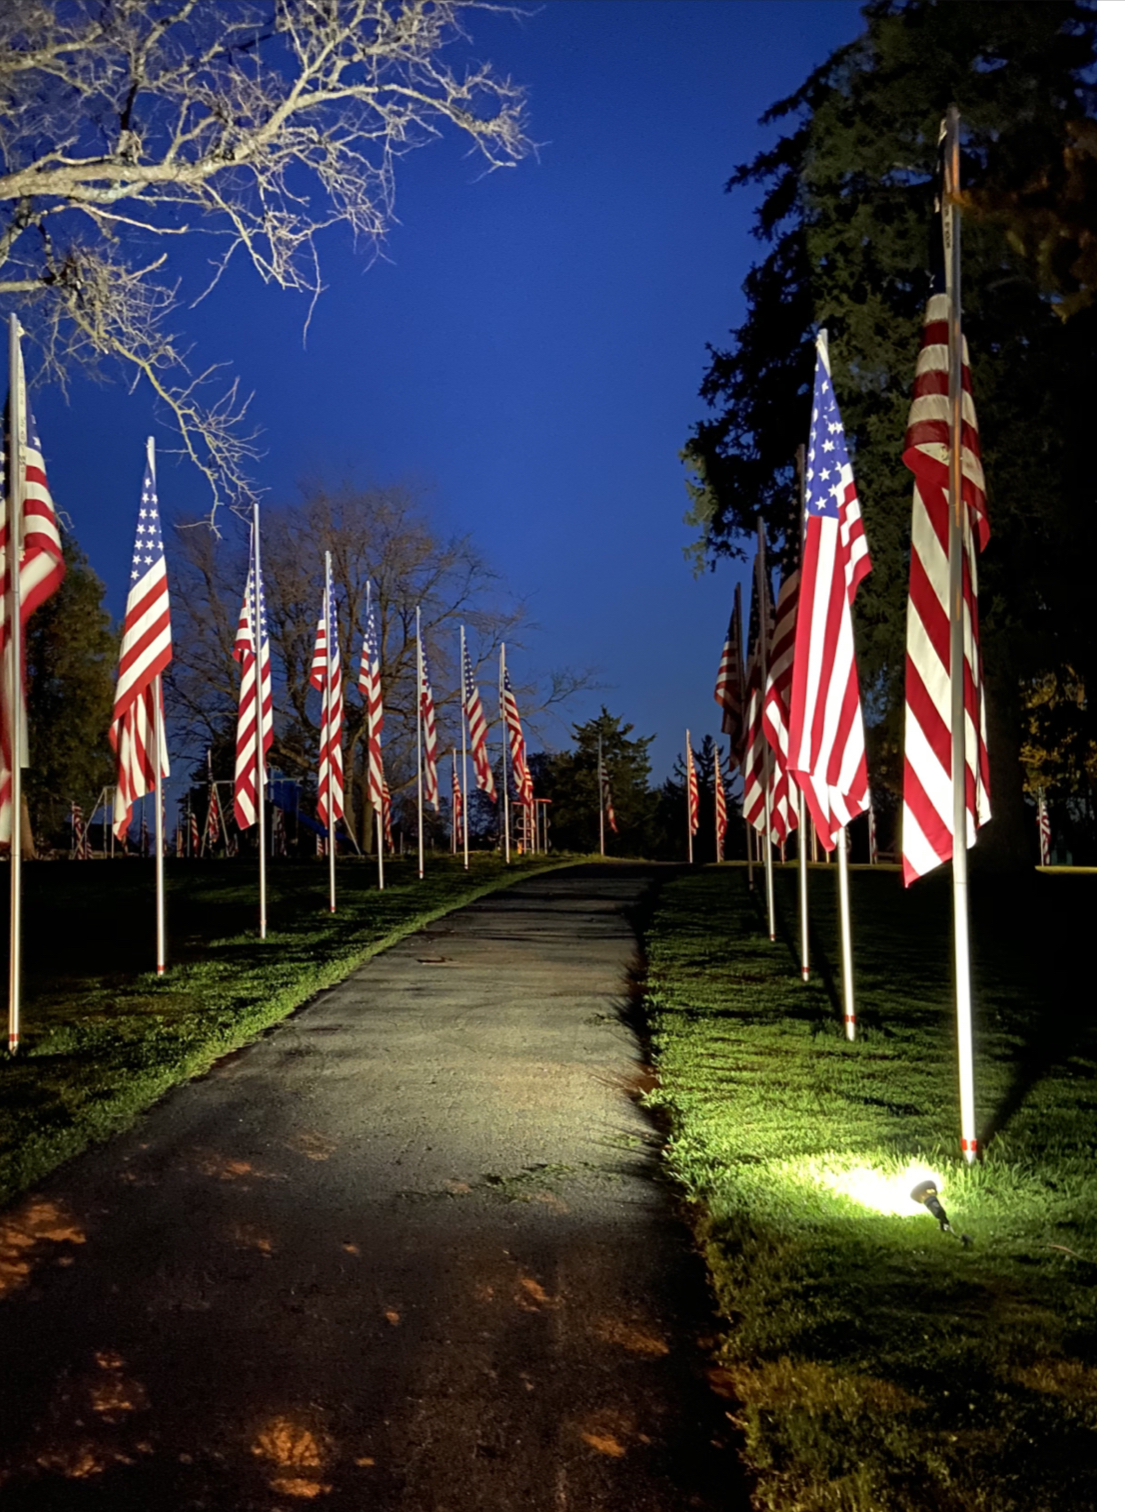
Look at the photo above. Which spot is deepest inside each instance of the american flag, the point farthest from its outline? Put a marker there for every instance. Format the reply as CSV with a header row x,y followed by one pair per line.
x,y
720,809
511,716
78,829
213,818
246,743
427,716
826,753
728,686
137,731
607,800
754,748
280,839
458,807
1044,831
785,794
692,791
193,830
927,821
327,678
371,691
40,574
179,841
478,730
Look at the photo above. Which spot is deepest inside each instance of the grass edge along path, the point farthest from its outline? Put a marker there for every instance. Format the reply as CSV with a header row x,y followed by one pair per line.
x,y
102,1055
873,1361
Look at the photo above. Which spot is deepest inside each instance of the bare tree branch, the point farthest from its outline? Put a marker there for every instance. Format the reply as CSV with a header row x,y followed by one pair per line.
x,y
258,123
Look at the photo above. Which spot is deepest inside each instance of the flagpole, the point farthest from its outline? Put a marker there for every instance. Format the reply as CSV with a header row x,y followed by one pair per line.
x,y
259,724
159,789
767,760
846,933
951,225
464,756
687,774
504,757
328,732
802,810
601,800
17,424
418,648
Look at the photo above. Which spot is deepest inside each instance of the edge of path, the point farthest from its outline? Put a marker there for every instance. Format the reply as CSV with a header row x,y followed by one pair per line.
x,y
99,1111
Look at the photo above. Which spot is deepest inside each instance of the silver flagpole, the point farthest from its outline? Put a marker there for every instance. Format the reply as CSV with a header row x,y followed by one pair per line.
x,y
802,809
327,716
742,699
601,800
151,456
464,758
846,933
17,438
418,647
951,227
763,622
504,757
259,723
687,774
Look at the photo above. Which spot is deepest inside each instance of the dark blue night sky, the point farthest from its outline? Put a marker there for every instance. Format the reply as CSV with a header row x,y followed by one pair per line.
x,y
529,347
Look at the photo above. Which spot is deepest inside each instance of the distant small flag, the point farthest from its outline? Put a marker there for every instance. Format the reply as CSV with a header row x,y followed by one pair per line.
x,y
755,751
785,794
327,678
511,716
371,691
728,688
213,818
1044,831
458,808
194,829
179,842
478,730
246,741
720,809
693,791
79,833
428,716
607,800
280,841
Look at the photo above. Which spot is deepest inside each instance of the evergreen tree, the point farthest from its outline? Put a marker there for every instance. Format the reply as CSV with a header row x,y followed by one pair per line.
x,y
72,651
846,218
570,780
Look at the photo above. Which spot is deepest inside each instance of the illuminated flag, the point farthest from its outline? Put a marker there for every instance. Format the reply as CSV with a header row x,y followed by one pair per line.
x,y
720,809
1044,831
728,687
825,748
40,574
280,840
428,719
511,716
137,731
327,679
79,832
927,821
478,730
194,831
179,842
371,691
246,742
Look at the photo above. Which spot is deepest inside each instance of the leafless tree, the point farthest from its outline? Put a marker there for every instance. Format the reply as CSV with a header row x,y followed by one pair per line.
x,y
380,536
129,127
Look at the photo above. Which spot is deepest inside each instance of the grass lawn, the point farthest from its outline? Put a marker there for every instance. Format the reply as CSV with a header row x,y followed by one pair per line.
x,y
873,1360
103,1036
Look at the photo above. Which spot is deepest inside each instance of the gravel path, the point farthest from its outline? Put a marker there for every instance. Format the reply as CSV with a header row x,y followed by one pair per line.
x,y
410,1251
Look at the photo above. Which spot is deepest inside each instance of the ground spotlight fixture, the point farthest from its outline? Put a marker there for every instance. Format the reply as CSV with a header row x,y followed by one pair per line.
x,y
926,1193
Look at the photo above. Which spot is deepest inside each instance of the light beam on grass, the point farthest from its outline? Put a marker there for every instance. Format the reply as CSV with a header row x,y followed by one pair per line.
x,y
881,1191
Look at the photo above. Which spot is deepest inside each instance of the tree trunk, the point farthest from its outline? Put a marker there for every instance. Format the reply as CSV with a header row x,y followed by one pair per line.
x,y
1005,841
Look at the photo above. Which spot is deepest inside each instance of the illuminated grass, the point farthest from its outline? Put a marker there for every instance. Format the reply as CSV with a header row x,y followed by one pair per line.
x,y
876,1361
103,1037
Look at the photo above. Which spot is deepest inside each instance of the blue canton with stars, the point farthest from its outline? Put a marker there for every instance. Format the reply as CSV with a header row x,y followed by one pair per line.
x,y
829,469
148,548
